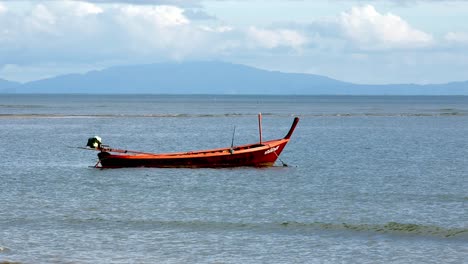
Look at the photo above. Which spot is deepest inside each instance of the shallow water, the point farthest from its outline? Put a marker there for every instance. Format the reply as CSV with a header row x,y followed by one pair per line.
x,y
370,180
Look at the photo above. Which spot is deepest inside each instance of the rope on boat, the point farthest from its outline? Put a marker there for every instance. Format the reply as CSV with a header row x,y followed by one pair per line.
x,y
282,162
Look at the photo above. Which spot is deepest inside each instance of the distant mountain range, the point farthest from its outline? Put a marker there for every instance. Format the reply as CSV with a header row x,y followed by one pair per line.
x,y
7,86
215,78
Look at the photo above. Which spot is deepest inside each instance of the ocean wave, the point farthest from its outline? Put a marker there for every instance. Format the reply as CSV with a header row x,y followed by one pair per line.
x,y
390,228
4,249
184,115
122,115
21,106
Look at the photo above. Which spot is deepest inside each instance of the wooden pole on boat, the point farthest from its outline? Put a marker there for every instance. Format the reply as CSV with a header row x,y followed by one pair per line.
x,y
260,126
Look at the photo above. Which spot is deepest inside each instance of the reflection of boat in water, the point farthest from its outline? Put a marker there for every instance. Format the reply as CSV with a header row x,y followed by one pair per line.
x,y
261,154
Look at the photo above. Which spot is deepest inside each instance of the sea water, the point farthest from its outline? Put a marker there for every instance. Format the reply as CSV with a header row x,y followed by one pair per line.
x,y
369,180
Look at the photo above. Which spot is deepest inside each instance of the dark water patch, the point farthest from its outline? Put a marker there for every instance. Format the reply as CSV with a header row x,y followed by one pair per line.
x,y
12,106
452,112
390,228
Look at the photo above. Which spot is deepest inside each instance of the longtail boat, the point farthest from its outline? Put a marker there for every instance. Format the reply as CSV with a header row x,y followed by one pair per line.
x,y
260,154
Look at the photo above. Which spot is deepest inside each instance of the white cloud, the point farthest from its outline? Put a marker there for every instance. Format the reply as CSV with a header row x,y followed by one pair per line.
x,y
85,9
3,9
76,31
158,32
4,32
371,30
155,15
457,37
220,29
276,38
41,19
85,33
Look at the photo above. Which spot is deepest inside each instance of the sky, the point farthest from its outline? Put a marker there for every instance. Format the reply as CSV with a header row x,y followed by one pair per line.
x,y
366,42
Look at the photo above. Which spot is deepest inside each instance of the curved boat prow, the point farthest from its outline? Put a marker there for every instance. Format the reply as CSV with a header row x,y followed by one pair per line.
x,y
293,126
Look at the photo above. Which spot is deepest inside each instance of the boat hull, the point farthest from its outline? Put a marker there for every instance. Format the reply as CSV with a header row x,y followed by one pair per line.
x,y
259,155
262,154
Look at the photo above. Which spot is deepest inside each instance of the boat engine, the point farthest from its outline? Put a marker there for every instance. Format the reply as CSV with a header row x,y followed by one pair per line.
x,y
94,142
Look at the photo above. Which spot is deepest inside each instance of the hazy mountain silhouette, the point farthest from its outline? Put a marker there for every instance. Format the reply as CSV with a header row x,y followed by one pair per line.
x,y
216,78
7,86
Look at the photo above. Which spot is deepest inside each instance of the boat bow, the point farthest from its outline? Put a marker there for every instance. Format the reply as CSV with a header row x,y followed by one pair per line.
x,y
293,127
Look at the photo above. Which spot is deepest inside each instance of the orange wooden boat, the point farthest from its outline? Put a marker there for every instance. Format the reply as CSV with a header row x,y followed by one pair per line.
x,y
261,154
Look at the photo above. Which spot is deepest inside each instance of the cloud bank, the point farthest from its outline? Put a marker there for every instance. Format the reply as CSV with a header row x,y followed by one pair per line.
x,y
73,30
94,34
372,30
